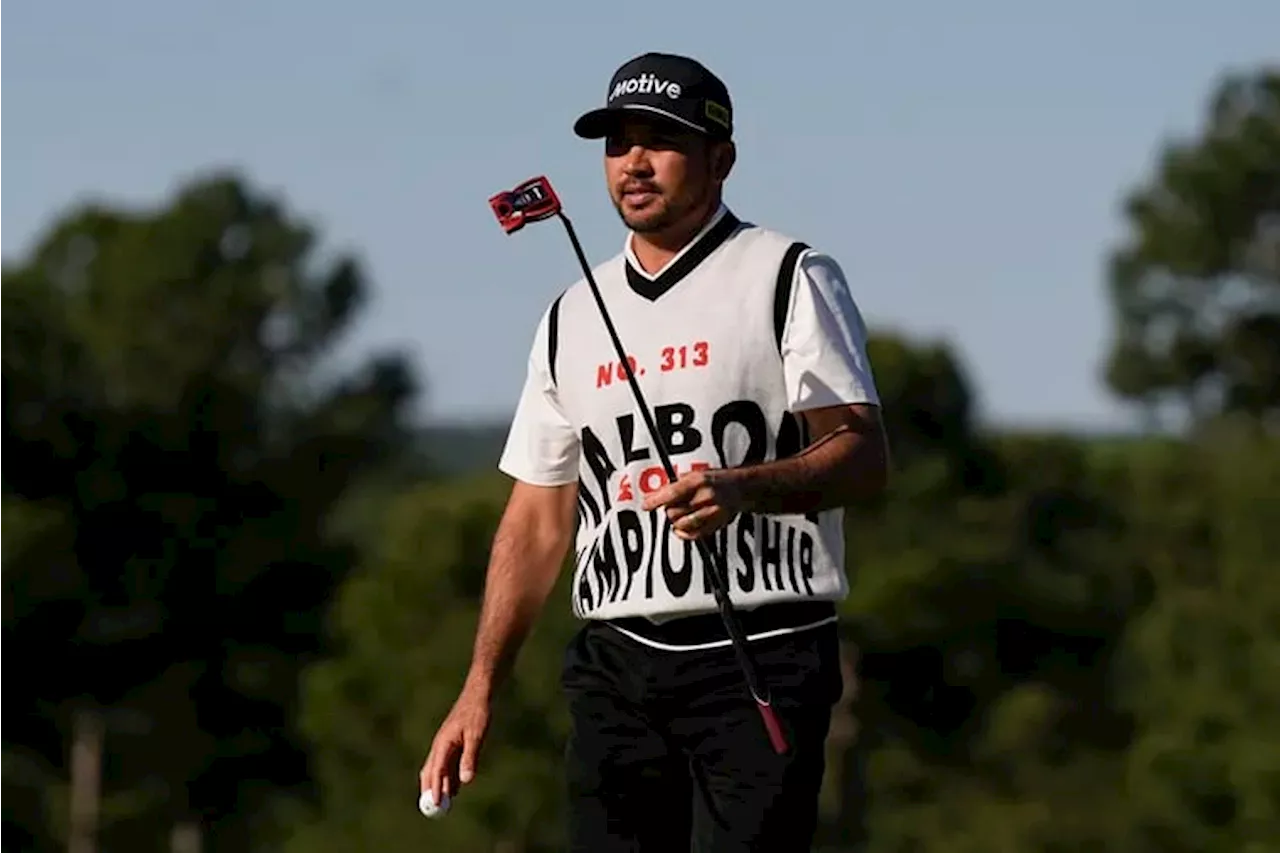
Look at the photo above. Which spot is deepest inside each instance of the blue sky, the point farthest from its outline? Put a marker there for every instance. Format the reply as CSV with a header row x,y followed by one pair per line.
x,y
963,161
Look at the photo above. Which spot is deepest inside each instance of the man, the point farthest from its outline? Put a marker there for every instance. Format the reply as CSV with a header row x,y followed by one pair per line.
x,y
751,351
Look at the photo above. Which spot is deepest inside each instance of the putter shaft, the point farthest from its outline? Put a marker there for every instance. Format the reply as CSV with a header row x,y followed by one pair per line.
x,y
719,573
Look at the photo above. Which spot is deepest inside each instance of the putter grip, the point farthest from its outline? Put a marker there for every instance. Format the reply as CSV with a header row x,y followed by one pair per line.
x,y
774,727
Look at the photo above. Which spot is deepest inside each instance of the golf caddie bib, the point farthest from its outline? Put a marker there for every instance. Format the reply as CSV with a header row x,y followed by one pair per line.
x,y
703,338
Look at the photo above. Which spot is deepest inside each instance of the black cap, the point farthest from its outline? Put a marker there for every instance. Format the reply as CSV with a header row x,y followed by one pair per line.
x,y
664,84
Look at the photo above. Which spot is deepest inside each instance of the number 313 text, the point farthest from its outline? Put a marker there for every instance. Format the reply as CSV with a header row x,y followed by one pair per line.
x,y
679,358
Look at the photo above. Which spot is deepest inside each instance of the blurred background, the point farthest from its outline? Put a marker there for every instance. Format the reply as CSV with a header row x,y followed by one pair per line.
x,y
262,339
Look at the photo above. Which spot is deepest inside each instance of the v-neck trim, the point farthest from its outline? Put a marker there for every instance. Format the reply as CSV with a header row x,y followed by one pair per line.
x,y
711,237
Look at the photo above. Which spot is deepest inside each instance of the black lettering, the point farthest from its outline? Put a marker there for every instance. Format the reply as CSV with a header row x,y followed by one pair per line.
x,y
586,603
806,560
653,553
627,432
632,535
586,600
679,580
791,558
748,415
746,535
675,427
771,552
587,504
605,564
599,462
789,440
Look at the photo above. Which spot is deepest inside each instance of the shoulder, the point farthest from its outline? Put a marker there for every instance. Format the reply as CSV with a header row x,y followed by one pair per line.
x,y
798,257
812,287
800,260
752,235
809,253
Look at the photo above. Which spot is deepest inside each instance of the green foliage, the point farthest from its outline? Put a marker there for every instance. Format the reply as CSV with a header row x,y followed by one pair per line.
x,y
1196,288
985,626
403,624
174,450
1203,663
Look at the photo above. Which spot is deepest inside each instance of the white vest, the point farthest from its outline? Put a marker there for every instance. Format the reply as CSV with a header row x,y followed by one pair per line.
x,y
704,337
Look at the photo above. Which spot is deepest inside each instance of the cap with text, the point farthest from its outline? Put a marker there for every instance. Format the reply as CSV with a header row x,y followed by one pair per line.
x,y
674,87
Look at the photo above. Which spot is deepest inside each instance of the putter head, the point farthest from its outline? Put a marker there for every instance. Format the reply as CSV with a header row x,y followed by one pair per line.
x,y
531,201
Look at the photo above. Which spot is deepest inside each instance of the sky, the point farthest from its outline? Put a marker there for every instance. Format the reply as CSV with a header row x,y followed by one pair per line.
x,y
965,163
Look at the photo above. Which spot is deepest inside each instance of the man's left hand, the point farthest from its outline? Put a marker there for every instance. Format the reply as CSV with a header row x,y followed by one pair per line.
x,y
698,503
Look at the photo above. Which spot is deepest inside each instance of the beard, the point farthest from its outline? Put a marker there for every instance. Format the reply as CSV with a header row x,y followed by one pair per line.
x,y
653,218
658,214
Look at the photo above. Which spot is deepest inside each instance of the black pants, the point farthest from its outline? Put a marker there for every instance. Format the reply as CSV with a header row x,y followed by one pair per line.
x,y
667,751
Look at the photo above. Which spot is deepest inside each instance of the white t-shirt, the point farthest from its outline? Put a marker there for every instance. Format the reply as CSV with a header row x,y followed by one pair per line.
x,y
721,359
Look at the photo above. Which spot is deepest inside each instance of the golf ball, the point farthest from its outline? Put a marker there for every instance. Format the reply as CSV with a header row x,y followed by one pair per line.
x,y
427,804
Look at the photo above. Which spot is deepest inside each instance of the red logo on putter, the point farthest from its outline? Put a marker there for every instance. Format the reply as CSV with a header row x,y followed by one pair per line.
x,y
529,202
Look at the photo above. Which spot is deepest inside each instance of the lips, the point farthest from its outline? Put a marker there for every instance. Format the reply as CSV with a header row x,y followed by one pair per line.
x,y
638,193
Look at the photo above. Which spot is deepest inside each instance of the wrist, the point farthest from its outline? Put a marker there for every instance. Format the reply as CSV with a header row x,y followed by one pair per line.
x,y
479,683
771,488
752,488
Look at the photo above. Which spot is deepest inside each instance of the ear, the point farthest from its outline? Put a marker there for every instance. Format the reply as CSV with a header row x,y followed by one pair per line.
x,y
723,156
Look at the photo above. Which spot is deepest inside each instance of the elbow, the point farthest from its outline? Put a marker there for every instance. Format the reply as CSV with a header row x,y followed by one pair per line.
x,y
882,467
869,472
873,481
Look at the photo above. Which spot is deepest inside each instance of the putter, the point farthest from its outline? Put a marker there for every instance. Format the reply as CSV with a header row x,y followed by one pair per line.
x,y
533,201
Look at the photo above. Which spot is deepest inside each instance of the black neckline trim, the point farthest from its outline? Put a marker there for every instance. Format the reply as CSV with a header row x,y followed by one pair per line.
x,y
653,288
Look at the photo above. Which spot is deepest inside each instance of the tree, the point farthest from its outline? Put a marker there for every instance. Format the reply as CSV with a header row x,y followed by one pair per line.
x,y
175,446
1196,285
987,601
1199,666
402,628
985,624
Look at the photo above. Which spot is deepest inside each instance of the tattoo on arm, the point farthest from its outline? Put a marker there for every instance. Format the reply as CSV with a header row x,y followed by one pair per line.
x,y
846,464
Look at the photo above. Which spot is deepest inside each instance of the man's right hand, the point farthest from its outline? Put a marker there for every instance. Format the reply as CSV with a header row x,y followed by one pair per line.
x,y
451,762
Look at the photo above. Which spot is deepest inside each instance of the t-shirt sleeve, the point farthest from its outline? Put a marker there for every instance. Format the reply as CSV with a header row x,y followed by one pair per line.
x,y
542,445
824,342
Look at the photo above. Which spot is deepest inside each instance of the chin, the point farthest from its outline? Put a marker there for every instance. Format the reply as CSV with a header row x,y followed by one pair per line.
x,y
645,226
647,221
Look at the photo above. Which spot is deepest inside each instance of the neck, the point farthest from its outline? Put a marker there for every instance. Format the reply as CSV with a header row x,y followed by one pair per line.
x,y
655,250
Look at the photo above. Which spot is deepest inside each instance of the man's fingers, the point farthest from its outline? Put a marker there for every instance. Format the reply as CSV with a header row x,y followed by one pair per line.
x,y
686,498
661,497
678,512
692,523
439,766
672,493
470,747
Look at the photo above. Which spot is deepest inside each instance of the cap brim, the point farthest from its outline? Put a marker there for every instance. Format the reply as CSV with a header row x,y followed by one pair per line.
x,y
597,124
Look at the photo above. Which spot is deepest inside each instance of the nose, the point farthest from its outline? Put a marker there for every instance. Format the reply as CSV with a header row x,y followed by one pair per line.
x,y
636,161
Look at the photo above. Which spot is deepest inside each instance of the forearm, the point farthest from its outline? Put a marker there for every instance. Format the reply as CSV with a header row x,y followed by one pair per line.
x,y
842,468
524,564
